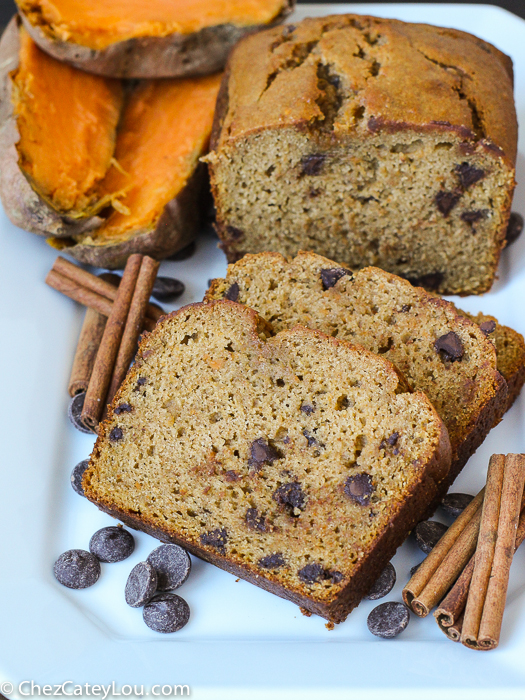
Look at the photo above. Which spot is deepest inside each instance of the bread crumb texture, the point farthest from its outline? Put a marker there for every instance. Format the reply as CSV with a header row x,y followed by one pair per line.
x,y
370,141
284,459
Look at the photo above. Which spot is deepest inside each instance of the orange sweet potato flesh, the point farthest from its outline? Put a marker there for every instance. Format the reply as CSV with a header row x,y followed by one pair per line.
x,y
67,121
164,130
100,23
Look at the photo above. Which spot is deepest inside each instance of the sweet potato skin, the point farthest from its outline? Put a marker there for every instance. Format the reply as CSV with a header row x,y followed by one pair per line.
x,y
176,227
172,56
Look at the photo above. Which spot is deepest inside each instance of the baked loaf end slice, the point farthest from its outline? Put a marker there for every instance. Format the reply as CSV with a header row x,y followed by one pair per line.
x,y
369,141
439,351
298,462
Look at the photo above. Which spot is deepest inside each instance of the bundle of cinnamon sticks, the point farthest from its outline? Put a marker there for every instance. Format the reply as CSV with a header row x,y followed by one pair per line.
x,y
114,320
467,572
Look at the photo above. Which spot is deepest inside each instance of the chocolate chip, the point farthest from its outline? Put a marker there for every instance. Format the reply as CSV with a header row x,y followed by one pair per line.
x,y
76,476
184,253
306,408
314,192
359,488
255,521
455,503
336,576
468,174
330,277
122,408
291,496
232,293
231,476
312,163
488,327
166,612
272,561
431,281
389,441
167,288
74,411
140,383
216,538
172,564
77,568
428,533
446,201
311,573
261,453
384,583
405,308
471,217
111,544
311,440
116,434
449,347
388,620
234,233
141,585
514,228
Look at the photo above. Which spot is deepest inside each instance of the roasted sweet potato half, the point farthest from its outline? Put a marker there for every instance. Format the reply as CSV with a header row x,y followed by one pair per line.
x,y
103,171
153,39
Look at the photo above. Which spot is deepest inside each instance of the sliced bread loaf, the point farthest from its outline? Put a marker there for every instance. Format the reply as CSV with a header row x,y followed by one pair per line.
x,y
299,462
438,350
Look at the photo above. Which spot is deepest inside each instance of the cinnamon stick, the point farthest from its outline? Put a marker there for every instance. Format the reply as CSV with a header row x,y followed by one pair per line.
x,y
93,300
488,588
86,352
445,562
109,346
134,324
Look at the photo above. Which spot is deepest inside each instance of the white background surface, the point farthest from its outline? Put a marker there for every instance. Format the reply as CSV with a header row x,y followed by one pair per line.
x,y
241,642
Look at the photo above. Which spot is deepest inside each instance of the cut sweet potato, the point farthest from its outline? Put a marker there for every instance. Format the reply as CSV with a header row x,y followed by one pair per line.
x,y
135,191
159,38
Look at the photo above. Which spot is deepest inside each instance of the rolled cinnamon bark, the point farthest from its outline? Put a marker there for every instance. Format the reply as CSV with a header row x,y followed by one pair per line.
x,y
134,324
438,571
86,352
109,346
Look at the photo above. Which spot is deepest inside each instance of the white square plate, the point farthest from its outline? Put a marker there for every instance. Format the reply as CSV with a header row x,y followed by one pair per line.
x,y
241,642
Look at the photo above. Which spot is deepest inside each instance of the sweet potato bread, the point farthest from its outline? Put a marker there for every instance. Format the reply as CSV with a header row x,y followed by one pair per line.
x,y
370,141
439,351
154,39
137,191
298,462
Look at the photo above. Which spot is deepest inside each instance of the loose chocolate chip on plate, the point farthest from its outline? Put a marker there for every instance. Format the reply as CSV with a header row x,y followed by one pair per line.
x,y
388,620
166,612
255,521
330,276
359,488
455,503
184,253
312,163
311,573
290,495
261,452
141,585
232,293
428,533
384,583
468,174
514,228
111,544
449,347
172,564
272,561
77,568
167,288
122,408
116,434
216,538
74,412
446,201
76,476
488,327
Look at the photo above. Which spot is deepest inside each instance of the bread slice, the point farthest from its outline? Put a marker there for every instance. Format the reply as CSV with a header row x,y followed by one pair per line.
x,y
298,462
372,142
388,316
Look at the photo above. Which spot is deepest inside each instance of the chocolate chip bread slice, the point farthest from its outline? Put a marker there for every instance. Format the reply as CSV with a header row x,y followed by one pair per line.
x,y
370,141
438,350
298,462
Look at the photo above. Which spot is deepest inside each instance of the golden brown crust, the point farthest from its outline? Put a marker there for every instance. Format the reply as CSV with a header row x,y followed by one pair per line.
x,y
172,56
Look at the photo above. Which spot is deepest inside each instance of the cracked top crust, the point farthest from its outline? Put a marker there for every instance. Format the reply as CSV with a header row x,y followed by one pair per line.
x,y
347,73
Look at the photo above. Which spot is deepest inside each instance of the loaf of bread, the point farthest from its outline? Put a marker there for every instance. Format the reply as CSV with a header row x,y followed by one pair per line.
x,y
298,462
438,350
369,141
